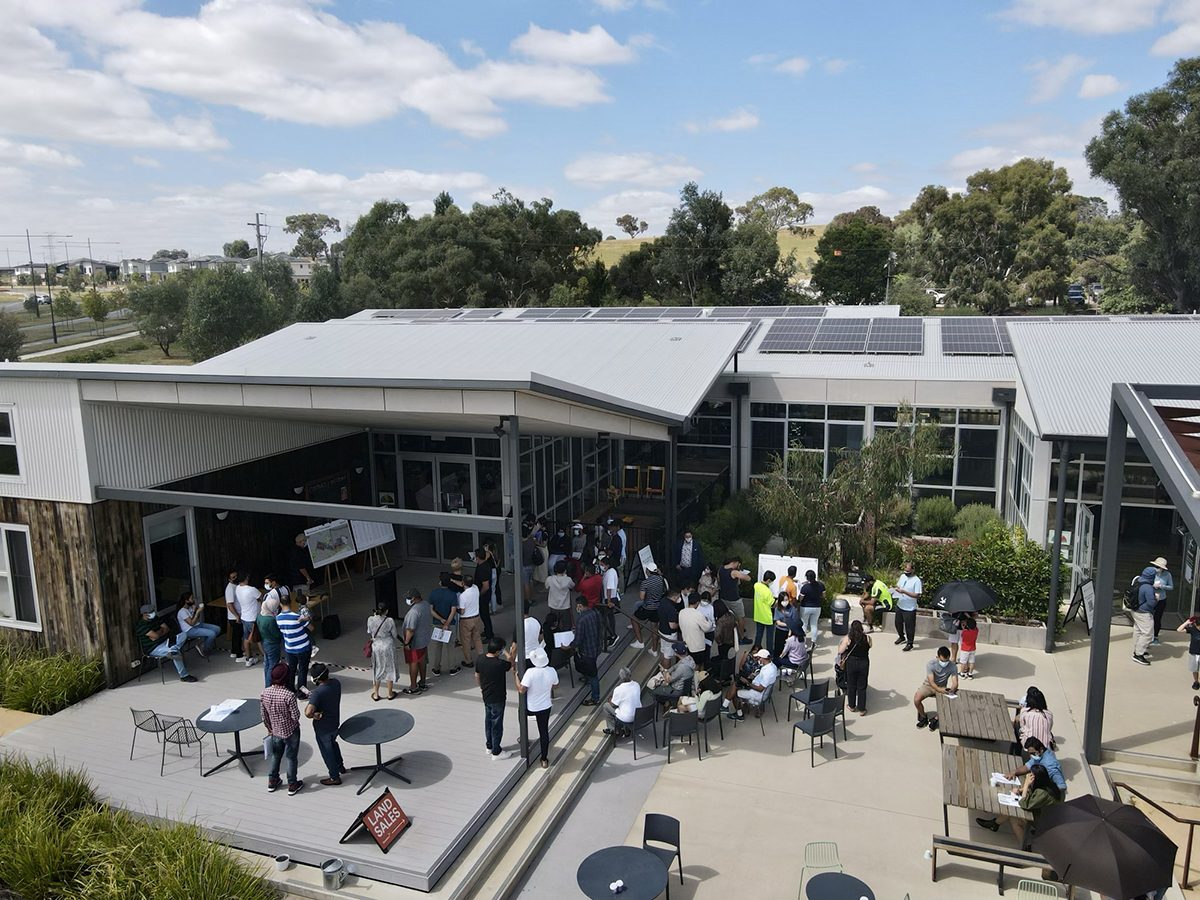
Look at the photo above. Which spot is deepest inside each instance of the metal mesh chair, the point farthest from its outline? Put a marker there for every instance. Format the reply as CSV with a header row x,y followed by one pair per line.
x,y
1028,889
149,720
183,733
820,855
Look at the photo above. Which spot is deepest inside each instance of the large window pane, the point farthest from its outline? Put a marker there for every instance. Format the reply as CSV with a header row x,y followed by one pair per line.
x,y
847,437
21,576
977,457
488,486
979,417
809,435
848,413
705,430
962,498
8,460
768,410
766,440
806,411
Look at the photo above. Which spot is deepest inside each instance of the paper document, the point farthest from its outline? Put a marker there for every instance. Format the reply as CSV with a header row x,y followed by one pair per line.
x,y
950,696
1008,799
442,635
564,638
223,710
1001,778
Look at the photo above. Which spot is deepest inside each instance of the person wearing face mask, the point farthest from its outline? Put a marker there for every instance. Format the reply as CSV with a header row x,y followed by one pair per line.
x,y
418,629
192,625
558,548
687,559
786,620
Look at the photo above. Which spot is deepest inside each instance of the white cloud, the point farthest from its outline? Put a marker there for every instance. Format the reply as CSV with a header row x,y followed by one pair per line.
x,y
35,155
1094,86
623,5
594,47
827,205
1086,16
741,119
402,184
835,66
1184,40
148,162
1050,78
864,168
654,207
645,169
795,65
471,48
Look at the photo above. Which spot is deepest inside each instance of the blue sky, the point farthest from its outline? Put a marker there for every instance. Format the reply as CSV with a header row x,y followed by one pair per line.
x,y
170,123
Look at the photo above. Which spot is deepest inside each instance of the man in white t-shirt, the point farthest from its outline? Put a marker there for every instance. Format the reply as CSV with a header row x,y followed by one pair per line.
x,y
693,628
756,691
470,628
248,598
908,596
234,620
622,707
533,635
610,600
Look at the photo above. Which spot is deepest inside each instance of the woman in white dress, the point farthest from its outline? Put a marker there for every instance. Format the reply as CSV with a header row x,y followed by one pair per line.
x,y
381,628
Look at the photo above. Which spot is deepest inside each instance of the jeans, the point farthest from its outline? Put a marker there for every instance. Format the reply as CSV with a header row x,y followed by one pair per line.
x,y
593,683
760,633
271,654
810,617
331,753
906,624
493,726
1159,608
206,633
1143,631
543,724
287,748
166,651
297,664
856,682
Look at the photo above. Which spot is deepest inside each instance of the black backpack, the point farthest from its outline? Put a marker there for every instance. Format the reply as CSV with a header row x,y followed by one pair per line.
x,y
331,627
1131,593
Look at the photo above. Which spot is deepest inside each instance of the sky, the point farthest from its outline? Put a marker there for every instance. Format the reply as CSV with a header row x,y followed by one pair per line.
x,y
143,124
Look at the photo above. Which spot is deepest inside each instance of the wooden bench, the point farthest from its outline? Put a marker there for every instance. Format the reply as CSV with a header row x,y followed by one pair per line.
x,y
997,856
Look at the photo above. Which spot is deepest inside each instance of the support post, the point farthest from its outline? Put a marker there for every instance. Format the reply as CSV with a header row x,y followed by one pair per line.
x,y
1060,502
1110,520
513,460
672,523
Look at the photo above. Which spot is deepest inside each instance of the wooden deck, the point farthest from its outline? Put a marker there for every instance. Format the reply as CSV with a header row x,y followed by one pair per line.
x,y
967,782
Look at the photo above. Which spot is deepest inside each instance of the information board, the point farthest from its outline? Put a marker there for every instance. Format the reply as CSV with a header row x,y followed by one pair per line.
x,y
384,820
779,565
646,557
372,534
330,542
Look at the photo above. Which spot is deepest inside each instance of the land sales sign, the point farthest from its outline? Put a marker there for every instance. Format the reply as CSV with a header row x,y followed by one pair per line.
x,y
384,820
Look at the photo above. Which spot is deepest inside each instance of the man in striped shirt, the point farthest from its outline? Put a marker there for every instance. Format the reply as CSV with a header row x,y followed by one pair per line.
x,y
281,716
297,648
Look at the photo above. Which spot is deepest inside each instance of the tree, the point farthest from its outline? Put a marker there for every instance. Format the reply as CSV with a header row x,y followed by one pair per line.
x,y
909,294
631,225
276,273
225,308
32,304
74,279
852,262
867,214
159,310
779,208
752,271
323,300
238,248
310,230
11,338
66,307
695,239
96,308
170,254
1150,153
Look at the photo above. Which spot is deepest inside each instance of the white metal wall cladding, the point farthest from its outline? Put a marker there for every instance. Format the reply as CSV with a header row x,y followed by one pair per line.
x,y
49,437
142,447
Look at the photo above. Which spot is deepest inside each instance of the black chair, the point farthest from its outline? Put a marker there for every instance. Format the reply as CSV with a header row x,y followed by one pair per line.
x,y
680,724
805,672
146,659
835,705
761,710
816,727
149,720
711,711
183,733
645,717
663,830
816,690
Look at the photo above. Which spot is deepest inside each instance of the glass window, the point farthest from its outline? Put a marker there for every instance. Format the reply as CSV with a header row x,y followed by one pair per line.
x,y
487,447
886,413
977,457
766,441
944,475
848,413
18,594
705,430
384,443
962,498
768,410
843,437
931,414
979,417
806,411
415,443
809,435
10,463
460,445
488,487
714,408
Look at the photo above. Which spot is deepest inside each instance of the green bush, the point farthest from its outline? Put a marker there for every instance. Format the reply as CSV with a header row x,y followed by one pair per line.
x,y
59,841
36,681
1004,559
735,521
973,520
935,516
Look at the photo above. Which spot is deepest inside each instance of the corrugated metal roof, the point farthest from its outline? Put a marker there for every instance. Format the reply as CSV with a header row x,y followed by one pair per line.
x,y
664,368
1067,374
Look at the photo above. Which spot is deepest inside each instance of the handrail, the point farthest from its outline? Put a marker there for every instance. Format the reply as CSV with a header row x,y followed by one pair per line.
x,y
1190,823
1195,754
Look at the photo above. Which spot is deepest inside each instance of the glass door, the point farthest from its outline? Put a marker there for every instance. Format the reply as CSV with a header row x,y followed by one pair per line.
x,y
171,555
456,481
416,476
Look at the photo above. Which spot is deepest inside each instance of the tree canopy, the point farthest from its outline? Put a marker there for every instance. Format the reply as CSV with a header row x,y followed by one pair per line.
x,y
11,338
225,309
170,254
778,208
851,265
310,230
239,248
159,309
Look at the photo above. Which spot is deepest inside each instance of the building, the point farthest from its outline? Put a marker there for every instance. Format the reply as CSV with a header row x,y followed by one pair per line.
x,y
111,476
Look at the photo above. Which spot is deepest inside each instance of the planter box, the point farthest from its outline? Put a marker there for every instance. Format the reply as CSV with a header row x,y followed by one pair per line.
x,y
1001,634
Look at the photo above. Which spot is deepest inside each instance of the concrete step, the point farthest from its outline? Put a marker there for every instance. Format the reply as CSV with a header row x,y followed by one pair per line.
x,y
1150,761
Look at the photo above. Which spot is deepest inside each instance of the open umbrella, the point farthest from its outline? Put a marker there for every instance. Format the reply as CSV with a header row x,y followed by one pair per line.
x,y
1105,846
963,597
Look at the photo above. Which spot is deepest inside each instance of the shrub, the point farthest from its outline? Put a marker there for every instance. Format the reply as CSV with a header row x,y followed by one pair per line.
x,y
973,520
935,516
36,681
736,520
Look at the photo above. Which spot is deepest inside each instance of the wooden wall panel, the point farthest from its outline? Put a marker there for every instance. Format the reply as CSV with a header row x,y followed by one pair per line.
x,y
122,578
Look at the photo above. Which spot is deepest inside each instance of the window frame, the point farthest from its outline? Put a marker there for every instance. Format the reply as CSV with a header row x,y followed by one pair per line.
x,y
13,441
14,623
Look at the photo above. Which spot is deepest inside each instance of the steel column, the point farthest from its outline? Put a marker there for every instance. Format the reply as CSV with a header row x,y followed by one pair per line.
x,y
1060,503
512,451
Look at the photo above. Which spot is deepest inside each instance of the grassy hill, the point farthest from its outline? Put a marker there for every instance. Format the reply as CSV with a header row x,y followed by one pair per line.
x,y
609,252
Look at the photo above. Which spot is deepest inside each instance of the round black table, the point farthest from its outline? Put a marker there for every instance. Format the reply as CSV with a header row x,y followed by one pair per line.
x,y
246,716
644,874
378,727
837,886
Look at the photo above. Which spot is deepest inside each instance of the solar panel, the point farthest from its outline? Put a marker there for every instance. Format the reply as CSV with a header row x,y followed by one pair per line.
x,y
610,312
731,312
804,311
970,336
841,336
898,336
683,312
645,312
1005,338
789,336
478,314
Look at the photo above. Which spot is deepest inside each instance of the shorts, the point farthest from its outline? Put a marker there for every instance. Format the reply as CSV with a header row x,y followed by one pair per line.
x,y
752,697
646,615
1193,662
527,574
665,648
924,692
737,607
966,657
414,654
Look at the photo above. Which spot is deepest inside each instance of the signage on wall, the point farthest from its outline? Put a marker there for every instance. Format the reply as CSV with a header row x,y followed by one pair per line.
x,y
384,820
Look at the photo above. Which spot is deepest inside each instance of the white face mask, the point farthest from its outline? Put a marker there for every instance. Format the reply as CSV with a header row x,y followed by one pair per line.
x,y
408,601
266,585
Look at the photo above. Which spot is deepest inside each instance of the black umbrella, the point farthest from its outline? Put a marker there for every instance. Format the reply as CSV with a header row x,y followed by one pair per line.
x,y
1105,846
963,597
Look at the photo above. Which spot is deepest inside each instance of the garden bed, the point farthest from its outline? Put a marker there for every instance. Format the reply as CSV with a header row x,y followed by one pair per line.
x,y
998,631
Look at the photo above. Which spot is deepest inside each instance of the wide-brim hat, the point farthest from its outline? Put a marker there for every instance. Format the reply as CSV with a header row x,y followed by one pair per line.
x,y
1159,563
539,658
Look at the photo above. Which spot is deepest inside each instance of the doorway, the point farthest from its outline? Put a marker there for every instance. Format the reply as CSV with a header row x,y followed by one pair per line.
x,y
438,483
171,555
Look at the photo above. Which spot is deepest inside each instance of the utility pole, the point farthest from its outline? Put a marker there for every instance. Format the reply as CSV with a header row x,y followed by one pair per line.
x,y
50,291
258,235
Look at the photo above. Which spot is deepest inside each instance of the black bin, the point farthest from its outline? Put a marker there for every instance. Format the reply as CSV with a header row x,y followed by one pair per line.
x,y
839,614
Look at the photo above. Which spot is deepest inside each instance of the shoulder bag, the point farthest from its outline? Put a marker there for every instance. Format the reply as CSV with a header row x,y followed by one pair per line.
x,y
371,639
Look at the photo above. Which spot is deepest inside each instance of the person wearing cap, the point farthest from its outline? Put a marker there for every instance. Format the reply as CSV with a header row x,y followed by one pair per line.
x,y
281,717
675,677
154,636
538,685
1143,614
1163,582
269,635
589,641
325,709
491,674
653,589
756,691
622,706
418,628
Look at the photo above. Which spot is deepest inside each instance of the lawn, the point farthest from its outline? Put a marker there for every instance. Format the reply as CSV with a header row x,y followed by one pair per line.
x,y
805,247
135,350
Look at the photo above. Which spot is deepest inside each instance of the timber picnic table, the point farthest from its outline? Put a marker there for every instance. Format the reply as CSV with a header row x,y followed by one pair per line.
x,y
975,714
967,782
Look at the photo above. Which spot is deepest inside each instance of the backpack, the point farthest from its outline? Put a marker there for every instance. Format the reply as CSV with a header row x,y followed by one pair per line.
x,y
331,627
1132,600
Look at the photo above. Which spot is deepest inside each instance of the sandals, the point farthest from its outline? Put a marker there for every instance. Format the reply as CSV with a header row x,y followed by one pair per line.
x,y
409,691
376,697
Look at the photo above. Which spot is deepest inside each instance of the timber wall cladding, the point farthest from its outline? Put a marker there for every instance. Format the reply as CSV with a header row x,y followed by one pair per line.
x,y
122,579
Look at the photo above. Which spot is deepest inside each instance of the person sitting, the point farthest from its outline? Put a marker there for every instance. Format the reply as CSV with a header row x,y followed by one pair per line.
x,y
1041,755
675,677
708,692
622,706
875,595
941,677
193,627
1036,793
755,690
794,657
1034,720
154,637
750,663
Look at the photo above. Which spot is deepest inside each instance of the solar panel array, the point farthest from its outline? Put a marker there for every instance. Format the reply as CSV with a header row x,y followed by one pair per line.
x,y
478,314
789,336
766,312
971,336
845,335
841,336
905,336
565,313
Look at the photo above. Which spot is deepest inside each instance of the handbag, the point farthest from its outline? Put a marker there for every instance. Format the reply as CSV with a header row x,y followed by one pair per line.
x,y
371,639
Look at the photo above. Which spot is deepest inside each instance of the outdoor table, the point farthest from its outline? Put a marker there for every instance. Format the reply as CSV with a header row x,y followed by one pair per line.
x,y
837,886
246,716
644,874
378,727
975,714
967,782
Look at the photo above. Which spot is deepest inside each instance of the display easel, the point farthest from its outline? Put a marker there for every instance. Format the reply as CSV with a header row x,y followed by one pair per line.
x,y
377,558
336,572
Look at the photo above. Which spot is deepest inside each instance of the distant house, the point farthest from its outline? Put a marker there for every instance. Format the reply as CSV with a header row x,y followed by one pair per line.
x,y
38,269
86,267
131,267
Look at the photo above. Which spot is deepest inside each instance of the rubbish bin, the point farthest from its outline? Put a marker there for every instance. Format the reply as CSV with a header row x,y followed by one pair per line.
x,y
839,615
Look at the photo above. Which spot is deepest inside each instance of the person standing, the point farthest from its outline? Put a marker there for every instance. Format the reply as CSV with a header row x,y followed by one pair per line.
x,y
693,627
234,620
486,581
300,568
1163,582
192,625
558,590
854,653
538,685
281,716
610,599
558,548
1192,629
297,647
1143,615
968,640
532,630
908,597
443,603
729,575
491,674
530,556
591,586
764,608
269,636
650,595
325,709
469,628
787,584
381,628
687,559
418,627
787,621
248,598
589,639
812,597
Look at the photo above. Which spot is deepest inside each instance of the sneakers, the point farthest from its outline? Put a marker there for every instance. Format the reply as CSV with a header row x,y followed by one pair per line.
x,y
989,824
1141,660
1196,685
907,647
922,722
898,641
1155,641
189,679
294,789
250,660
436,671
637,645
933,724
331,782
503,754
234,656
273,785
453,671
